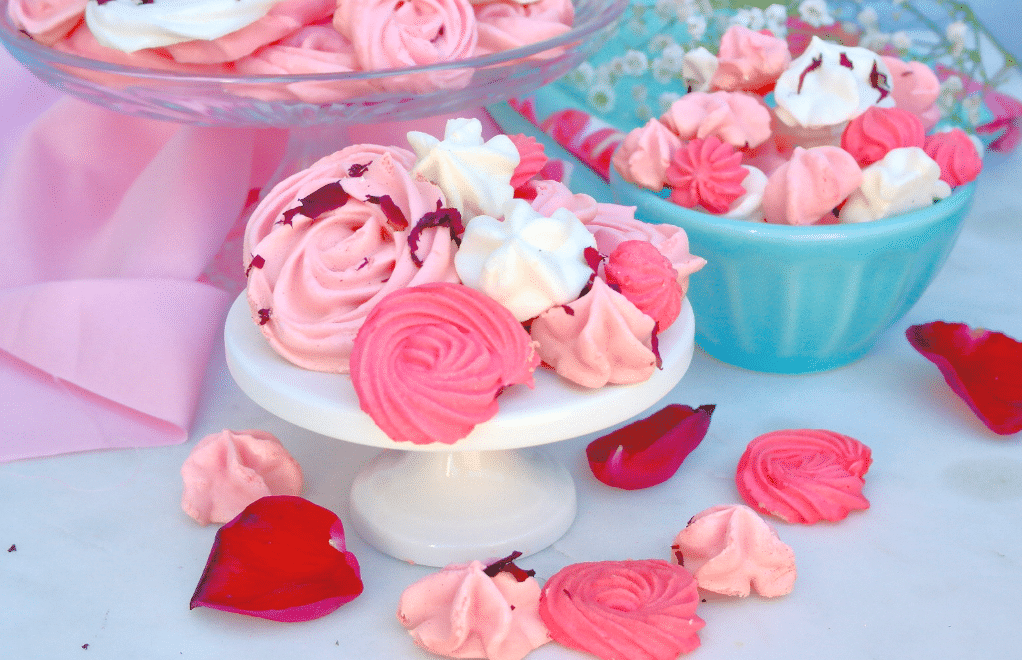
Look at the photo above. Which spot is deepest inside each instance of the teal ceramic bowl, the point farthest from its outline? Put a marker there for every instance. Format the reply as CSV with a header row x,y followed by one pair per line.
x,y
784,299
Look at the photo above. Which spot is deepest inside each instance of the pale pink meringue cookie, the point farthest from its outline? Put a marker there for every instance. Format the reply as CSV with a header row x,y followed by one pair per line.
x,y
312,281
510,24
876,131
731,550
904,180
461,612
389,35
283,19
748,60
312,49
956,154
47,21
644,155
740,119
612,224
810,185
80,41
227,471
915,88
597,339
647,279
328,169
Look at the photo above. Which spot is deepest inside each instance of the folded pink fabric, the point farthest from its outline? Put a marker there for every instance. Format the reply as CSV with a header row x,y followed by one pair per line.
x,y
106,226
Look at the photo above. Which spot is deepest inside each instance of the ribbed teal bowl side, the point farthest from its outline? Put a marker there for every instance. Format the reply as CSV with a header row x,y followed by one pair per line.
x,y
785,299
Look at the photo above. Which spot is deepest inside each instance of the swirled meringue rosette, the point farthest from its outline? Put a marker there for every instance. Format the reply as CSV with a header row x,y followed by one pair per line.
x,y
429,361
623,610
804,475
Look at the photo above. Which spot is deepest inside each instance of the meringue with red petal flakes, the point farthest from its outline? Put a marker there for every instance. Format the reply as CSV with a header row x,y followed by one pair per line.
x,y
598,339
463,612
804,475
732,551
227,471
982,367
810,185
430,360
647,279
706,174
623,610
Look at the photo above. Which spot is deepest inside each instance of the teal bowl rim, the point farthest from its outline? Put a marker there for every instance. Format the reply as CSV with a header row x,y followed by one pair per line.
x,y
794,234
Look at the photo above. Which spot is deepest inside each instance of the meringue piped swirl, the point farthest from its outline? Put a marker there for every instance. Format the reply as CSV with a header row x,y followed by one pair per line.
x,y
804,476
429,361
623,610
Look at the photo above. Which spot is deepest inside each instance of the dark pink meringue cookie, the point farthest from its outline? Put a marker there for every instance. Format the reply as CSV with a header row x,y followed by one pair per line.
x,y
876,131
956,154
648,279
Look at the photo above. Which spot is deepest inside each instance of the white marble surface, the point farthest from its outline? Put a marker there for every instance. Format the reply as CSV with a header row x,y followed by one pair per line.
x,y
106,558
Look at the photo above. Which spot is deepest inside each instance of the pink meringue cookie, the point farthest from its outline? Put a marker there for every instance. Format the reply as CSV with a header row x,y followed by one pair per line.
x,y
742,120
80,41
461,612
876,131
227,471
644,155
623,610
706,174
504,25
749,61
598,339
389,35
810,185
47,21
283,19
312,281
731,550
915,88
956,155
647,279
430,360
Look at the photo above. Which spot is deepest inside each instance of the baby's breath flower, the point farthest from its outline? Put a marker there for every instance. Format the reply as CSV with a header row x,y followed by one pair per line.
x,y
582,76
972,104
660,42
776,19
601,97
874,40
666,9
639,92
901,40
741,17
643,112
696,26
815,12
957,33
868,19
606,74
634,63
950,89
662,73
674,57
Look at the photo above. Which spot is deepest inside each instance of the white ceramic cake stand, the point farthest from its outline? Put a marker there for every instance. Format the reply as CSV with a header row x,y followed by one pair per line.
x,y
487,495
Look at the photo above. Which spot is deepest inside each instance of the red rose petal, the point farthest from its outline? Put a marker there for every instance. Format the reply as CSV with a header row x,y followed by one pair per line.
x,y
649,451
983,367
283,559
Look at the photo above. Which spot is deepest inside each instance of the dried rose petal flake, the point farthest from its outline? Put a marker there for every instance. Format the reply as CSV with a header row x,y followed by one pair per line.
x,y
983,367
283,558
649,451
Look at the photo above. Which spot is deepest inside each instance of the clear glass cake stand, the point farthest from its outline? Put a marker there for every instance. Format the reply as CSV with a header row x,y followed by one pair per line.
x,y
493,492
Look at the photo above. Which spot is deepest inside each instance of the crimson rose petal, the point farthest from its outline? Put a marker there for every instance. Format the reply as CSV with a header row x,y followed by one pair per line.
x,y
649,451
282,558
983,367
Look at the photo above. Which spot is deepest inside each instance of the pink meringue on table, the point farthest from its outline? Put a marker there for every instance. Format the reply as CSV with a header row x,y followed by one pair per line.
x,y
915,88
647,279
706,174
283,19
46,21
598,339
462,612
877,131
742,120
956,154
227,471
810,185
644,155
748,60
732,551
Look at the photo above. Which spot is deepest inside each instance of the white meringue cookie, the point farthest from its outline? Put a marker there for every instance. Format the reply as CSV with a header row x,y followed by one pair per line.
x,y
697,69
475,176
830,84
750,205
528,262
904,180
129,26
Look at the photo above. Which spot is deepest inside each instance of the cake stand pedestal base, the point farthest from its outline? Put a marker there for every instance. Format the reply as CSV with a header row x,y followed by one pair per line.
x,y
439,508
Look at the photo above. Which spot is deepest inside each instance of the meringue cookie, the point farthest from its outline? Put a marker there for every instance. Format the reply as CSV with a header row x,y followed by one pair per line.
x,y
461,612
475,176
830,84
810,185
915,87
528,262
957,154
750,205
731,550
697,69
749,60
904,180
227,471
645,154
737,118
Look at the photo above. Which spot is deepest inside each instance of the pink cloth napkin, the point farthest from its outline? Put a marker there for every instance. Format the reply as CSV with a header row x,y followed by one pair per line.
x,y
113,232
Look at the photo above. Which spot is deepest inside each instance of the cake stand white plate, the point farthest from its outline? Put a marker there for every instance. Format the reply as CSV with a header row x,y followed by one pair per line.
x,y
485,496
